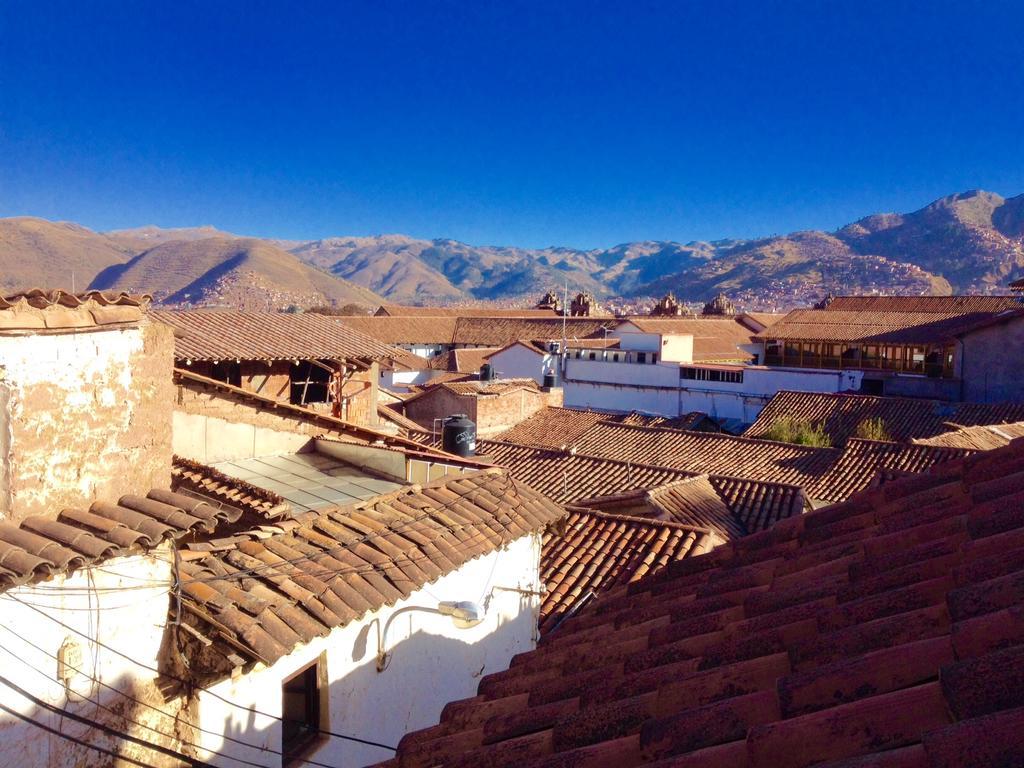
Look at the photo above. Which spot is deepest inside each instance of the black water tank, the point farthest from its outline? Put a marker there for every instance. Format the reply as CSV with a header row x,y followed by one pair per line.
x,y
550,379
486,372
459,435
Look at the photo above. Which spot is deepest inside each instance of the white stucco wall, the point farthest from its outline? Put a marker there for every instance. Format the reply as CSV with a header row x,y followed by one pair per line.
x,y
431,663
132,622
209,439
630,337
658,389
518,362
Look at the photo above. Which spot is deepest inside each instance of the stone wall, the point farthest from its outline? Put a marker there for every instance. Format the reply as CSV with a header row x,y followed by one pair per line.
x,y
491,413
83,416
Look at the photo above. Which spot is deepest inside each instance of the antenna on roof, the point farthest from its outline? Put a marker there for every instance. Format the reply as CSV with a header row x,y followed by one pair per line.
x,y
565,308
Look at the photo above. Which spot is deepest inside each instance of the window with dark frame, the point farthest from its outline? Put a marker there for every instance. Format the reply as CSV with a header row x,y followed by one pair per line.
x,y
228,371
309,382
300,713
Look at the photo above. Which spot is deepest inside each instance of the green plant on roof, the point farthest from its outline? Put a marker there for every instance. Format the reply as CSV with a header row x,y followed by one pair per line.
x,y
873,428
788,429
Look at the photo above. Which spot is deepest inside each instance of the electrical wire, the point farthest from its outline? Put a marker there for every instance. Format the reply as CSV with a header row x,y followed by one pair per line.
x,y
192,761
143,665
68,737
120,715
156,709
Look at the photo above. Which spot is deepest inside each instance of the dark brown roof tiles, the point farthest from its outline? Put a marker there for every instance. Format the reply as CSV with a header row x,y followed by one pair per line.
x,y
883,631
334,565
903,418
206,334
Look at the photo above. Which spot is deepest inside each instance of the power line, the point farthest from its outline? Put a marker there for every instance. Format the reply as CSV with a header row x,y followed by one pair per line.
x,y
195,762
143,665
136,701
68,737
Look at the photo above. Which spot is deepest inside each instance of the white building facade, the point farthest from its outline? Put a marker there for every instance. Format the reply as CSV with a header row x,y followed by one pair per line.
x,y
656,374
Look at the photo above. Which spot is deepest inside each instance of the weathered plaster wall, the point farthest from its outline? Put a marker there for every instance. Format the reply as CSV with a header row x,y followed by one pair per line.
x,y
431,663
993,363
131,622
213,425
85,416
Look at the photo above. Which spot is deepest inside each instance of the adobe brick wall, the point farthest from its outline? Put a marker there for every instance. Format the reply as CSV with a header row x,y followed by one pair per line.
x,y
273,380
491,414
84,416
198,399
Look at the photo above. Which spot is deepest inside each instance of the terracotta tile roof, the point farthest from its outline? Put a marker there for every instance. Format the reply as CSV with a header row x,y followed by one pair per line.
x,y
401,310
490,388
591,552
885,631
200,478
756,504
462,360
944,305
38,311
40,547
729,506
259,597
984,438
554,427
1017,285
638,419
878,326
203,334
497,332
708,453
473,387
403,330
567,477
732,506
692,501
864,463
904,418
403,359
713,339
757,321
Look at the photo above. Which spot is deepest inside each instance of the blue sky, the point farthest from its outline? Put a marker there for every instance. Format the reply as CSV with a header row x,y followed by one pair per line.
x,y
528,123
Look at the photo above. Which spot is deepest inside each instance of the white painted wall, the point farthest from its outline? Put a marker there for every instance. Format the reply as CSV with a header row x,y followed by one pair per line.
x,y
630,337
519,362
131,622
401,380
209,439
431,663
622,387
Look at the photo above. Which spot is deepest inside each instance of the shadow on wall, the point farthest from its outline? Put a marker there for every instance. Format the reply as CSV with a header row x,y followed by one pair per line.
x,y
60,727
423,672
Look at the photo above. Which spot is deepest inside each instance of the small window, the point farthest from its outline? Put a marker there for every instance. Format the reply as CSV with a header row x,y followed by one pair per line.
x,y
641,357
654,358
300,713
227,371
593,356
309,383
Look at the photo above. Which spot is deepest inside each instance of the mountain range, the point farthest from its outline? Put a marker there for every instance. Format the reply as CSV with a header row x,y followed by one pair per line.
x,y
967,242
